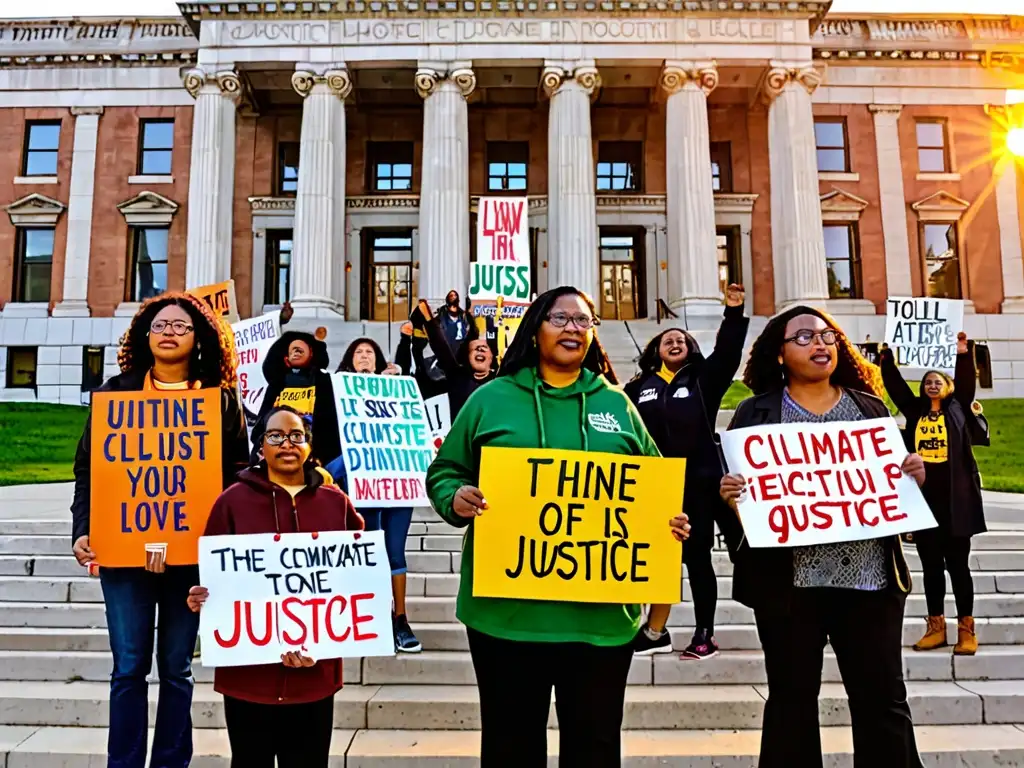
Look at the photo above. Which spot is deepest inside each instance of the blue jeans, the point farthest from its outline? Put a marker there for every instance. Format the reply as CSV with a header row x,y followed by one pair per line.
x,y
132,596
394,521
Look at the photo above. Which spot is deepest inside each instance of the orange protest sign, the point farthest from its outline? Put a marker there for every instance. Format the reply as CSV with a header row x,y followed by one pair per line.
x,y
156,471
220,297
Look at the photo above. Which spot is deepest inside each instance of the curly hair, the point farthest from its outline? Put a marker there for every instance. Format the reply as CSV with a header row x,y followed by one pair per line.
x,y
522,352
347,366
213,360
650,359
763,373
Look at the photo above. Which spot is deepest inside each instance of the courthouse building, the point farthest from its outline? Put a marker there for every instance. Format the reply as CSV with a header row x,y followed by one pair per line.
x,y
331,153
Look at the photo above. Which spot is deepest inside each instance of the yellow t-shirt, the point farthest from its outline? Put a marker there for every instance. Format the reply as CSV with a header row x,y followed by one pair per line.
x,y
560,380
302,399
293,489
666,374
166,385
931,439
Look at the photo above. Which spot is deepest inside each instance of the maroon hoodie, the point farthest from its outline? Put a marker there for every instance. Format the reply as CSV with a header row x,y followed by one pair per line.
x,y
256,505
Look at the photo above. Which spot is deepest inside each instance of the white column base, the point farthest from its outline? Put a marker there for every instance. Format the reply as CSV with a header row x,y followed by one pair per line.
x,y
71,308
316,308
850,307
1014,306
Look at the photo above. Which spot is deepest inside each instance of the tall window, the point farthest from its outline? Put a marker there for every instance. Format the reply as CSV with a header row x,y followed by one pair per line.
x,y
842,260
507,164
149,263
721,166
830,142
287,167
92,368
620,166
156,145
730,269
277,287
34,264
390,166
21,367
42,138
932,146
941,252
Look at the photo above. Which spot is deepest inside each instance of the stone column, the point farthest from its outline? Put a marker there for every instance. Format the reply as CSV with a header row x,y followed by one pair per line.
x,y
444,186
211,181
690,199
83,176
892,200
1009,235
320,200
572,206
798,243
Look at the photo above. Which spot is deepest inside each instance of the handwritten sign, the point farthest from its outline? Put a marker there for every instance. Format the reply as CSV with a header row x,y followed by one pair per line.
x,y
253,339
824,483
503,231
509,281
328,597
220,297
155,473
577,526
385,438
922,332
439,418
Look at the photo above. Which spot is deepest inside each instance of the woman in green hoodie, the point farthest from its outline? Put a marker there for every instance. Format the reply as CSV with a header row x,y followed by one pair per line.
x,y
554,390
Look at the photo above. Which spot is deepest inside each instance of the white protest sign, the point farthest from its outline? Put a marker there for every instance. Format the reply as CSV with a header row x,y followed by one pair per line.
x,y
439,417
503,231
385,439
327,595
824,483
253,339
922,332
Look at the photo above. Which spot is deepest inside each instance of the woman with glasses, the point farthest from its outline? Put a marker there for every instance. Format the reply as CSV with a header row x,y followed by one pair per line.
x,y
678,393
943,427
283,711
554,390
174,343
802,369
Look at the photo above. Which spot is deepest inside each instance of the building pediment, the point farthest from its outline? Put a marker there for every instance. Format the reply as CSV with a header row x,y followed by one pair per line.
x,y
941,206
35,210
840,205
148,209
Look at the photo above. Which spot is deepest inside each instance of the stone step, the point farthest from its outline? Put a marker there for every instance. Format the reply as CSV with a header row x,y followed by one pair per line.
x,y
964,746
425,707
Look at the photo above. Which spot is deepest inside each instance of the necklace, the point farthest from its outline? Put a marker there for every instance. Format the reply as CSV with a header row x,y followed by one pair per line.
x,y
934,415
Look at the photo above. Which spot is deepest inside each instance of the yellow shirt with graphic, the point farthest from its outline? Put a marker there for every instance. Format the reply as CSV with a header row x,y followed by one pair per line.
x,y
302,399
931,439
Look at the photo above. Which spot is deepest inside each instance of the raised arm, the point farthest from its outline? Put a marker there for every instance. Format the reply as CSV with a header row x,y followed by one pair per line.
x,y
439,344
722,364
899,391
403,355
965,378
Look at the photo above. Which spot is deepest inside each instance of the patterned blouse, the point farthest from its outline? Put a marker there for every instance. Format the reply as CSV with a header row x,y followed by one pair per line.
x,y
846,565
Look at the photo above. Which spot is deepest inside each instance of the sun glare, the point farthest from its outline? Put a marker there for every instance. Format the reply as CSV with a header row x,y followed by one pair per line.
x,y
1015,141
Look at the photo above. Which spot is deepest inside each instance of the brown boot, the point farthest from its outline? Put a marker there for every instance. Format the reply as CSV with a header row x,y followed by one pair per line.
x,y
967,640
934,636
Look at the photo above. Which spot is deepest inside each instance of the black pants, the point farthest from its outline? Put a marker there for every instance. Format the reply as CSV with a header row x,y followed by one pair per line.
x,y
515,681
866,632
939,552
298,735
697,552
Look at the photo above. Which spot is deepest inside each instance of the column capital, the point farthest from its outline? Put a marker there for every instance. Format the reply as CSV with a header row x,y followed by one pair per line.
x,y
783,74
430,76
585,74
337,79
676,75
228,81
885,109
78,111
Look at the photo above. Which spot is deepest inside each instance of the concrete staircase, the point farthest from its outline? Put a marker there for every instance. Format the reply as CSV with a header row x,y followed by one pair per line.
x,y
422,710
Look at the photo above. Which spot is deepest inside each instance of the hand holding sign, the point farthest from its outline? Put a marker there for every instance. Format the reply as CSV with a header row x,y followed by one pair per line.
x,y
83,554
913,467
469,501
731,490
296,660
680,526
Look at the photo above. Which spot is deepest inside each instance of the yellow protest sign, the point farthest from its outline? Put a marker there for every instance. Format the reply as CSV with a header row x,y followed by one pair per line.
x,y
220,298
578,527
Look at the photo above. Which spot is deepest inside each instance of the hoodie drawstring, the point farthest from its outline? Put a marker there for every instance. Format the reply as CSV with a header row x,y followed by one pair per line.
x,y
540,416
583,420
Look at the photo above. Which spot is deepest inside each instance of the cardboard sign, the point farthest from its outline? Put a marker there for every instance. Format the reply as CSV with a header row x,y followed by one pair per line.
x,y
385,439
824,483
155,473
577,526
439,417
503,231
220,297
498,321
922,332
253,339
328,597
509,281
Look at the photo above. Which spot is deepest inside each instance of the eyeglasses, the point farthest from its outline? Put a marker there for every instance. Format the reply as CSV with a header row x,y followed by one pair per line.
x,y
278,438
581,321
804,338
178,327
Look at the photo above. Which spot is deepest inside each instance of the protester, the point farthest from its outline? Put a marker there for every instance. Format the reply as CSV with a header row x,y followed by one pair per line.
x,y
454,321
366,356
552,392
803,369
678,393
296,374
472,365
283,711
174,343
942,428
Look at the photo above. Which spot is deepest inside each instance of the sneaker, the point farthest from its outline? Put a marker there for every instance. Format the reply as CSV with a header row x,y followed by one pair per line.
x,y
702,646
645,645
405,640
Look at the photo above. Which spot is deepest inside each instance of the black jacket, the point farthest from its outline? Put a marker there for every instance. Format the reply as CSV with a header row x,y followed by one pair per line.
x,y
763,578
967,513
235,446
461,383
326,443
